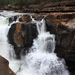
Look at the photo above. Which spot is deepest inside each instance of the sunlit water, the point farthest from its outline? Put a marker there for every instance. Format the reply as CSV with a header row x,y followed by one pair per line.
x,y
41,60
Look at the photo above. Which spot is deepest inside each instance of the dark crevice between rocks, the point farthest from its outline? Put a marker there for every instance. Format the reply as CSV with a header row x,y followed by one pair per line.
x,y
71,65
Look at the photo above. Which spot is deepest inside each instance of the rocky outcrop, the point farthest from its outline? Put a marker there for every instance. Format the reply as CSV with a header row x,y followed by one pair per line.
x,y
63,6
21,35
63,26
4,67
38,17
25,18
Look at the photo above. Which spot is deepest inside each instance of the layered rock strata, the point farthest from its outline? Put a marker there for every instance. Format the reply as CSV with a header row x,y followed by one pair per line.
x,y
63,6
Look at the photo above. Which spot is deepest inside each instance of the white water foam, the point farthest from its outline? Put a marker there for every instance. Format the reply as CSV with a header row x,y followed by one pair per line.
x,y
6,49
4,46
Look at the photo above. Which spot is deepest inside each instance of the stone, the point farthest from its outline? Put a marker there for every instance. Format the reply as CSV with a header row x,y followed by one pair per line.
x,y
21,36
4,67
61,6
58,24
62,26
13,18
25,18
18,34
38,17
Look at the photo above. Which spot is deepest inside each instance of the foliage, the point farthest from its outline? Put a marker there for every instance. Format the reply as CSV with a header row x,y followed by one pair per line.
x,y
27,2
18,2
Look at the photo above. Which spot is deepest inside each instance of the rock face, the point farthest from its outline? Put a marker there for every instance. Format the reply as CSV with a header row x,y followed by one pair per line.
x,y
21,35
4,67
45,8
25,18
63,26
38,17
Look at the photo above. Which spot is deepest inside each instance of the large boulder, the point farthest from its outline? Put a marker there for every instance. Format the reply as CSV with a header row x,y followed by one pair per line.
x,y
21,36
4,67
59,6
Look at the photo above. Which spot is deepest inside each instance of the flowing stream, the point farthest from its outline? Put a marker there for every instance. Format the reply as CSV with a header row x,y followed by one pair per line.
x,y
41,60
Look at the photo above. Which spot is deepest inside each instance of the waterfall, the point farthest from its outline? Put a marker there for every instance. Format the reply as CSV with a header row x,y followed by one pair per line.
x,y
6,49
4,46
41,60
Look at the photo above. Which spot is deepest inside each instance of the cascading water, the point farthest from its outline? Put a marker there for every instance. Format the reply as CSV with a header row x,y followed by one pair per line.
x,y
3,37
41,60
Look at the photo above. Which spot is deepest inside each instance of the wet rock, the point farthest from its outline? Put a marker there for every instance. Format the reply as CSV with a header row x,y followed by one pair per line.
x,y
38,17
4,67
61,6
62,26
21,36
58,24
13,18
25,18
18,34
